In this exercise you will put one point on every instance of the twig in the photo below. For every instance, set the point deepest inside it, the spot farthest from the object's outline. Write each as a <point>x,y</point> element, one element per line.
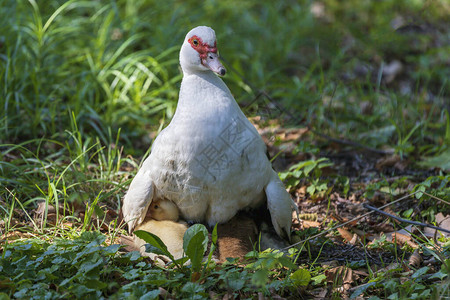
<point>352,220</point>
<point>351,143</point>
<point>404,220</point>
<point>436,198</point>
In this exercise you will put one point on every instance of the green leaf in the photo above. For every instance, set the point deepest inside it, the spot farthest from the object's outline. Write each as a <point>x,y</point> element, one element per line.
<point>132,274</point>
<point>156,245</point>
<point>407,213</point>
<point>420,188</point>
<point>111,249</point>
<point>91,263</point>
<point>214,235</point>
<point>309,168</point>
<point>192,288</point>
<point>301,277</point>
<point>394,296</point>
<point>259,278</point>
<point>98,211</point>
<point>287,262</point>
<point>150,295</point>
<point>4,296</point>
<point>214,238</point>
<point>311,189</point>
<point>361,289</point>
<point>441,161</point>
<point>195,242</point>
<point>420,272</point>
<point>96,284</point>
<point>319,279</point>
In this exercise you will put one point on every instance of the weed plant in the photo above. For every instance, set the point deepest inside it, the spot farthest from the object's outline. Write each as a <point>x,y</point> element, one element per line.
<point>85,85</point>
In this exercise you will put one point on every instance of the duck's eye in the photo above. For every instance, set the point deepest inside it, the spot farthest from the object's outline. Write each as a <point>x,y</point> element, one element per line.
<point>156,206</point>
<point>195,42</point>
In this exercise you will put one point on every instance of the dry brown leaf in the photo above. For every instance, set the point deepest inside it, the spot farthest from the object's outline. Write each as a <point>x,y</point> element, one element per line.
<point>343,220</point>
<point>387,161</point>
<point>392,212</point>
<point>361,273</point>
<point>355,239</point>
<point>165,294</point>
<point>295,134</point>
<point>415,259</point>
<point>443,222</point>
<point>401,239</point>
<point>301,192</point>
<point>405,231</point>
<point>356,209</point>
<point>338,218</point>
<point>340,277</point>
<point>15,235</point>
<point>128,241</point>
<point>383,227</point>
<point>310,224</point>
<point>330,263</point>
<point>361,233</point>
<point>347,235</point>
<point>393,266</point>
<point>213,295</point>
<point>195,276</point>
<point>319,293</point>
<point>379,198</point>
<point>295,220</point>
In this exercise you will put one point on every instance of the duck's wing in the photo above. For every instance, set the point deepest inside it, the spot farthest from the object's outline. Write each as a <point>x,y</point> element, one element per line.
<point>280,205</point>
<point>138,198</point>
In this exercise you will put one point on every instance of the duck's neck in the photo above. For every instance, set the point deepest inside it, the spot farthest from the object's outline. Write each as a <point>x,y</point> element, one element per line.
<point>203,84</point>
<point>204,95</point>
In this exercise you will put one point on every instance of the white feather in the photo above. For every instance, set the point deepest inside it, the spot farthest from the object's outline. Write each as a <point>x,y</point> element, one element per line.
<point>210,160</point>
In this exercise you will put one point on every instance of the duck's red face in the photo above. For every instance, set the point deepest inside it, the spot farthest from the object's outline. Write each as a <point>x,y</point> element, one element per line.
<point>208,55</point>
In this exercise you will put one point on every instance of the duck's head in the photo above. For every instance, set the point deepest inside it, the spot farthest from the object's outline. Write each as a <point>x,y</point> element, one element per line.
<point>199,52</point>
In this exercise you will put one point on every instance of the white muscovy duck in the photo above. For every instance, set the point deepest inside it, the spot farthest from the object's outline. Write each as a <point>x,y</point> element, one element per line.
<point>210,160</point>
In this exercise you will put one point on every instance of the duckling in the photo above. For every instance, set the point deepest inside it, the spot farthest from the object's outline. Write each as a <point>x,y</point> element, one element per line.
<point>163,223</point>
<point>164,210</point>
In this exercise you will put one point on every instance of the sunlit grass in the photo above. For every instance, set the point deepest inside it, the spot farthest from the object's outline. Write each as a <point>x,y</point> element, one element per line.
<point>84,85</point>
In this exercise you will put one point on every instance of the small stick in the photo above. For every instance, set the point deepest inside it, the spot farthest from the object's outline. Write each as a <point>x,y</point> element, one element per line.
<point>404,220</point>
<point>354,219</point>
<point>436,198</point>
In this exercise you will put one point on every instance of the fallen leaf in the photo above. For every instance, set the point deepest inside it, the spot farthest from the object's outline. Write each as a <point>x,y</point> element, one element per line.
<point>415,259</point>
<point>128,241</point>
<point>347,235</point>
<point>383,227</point>
<point>387,161</point>
<point>340,277</point>
<point>319,293</point>
<point>354,240</point>
<point>443,222</point>
<point>394,266</point>
<point>401,239</point>
<point>164,294</point>
<point>311,224</point>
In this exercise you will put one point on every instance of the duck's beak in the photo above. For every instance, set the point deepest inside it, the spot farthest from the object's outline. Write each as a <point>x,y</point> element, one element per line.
<point>212,62</point>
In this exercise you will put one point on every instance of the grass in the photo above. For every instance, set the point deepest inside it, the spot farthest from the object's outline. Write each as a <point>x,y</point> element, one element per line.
<point>86,85</point>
